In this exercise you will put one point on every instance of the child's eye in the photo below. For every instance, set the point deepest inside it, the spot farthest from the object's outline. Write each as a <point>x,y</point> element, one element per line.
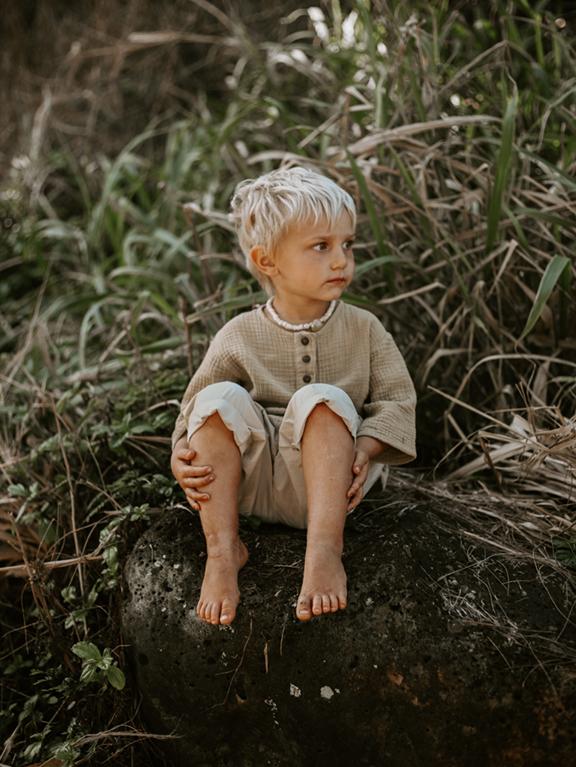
<point>320,245</point>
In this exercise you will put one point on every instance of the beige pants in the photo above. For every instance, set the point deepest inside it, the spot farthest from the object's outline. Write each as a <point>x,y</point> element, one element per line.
<point>272,484</point>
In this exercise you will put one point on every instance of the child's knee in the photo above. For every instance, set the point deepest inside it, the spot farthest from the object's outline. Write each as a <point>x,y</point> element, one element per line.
<point>321,410</point>
<point>318,405</point>
<point>322,419</point>
<point>212,422</point>
<point>212,433</point>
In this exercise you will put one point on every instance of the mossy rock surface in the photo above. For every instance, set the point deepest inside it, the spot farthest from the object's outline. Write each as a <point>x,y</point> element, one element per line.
<point>443,657</point>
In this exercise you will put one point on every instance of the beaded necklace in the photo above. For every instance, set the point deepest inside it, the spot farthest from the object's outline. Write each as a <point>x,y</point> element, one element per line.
<point>313,325</point>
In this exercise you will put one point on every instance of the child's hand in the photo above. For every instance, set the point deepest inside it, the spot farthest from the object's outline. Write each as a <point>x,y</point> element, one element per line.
<point>190,478</point>
<point>360,467</point>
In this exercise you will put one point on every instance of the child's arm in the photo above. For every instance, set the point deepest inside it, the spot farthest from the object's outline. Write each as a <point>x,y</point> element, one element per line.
<point>216,366</point>
<point>370,446</point>
<point>390,411</point>
<point>388,432</point>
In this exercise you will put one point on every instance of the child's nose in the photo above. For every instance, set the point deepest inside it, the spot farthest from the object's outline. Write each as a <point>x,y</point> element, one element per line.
<point>339,260</point>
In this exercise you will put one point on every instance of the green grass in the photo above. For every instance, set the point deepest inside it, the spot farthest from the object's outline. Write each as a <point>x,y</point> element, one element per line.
<point>457,140</point>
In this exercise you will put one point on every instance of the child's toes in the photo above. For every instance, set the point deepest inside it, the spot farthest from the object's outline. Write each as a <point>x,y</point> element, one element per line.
<point>210,614</point>
<point>303,609</point>
<point>333,602</point>
<point>215,614</point>
<point>317,604</point>
<point>227,612</point>
<point>342,601</point>
<point>326,607</point>
<point>205,611</point>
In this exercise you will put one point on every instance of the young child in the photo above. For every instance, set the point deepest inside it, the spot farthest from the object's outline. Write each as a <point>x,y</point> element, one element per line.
<point>300,404</point>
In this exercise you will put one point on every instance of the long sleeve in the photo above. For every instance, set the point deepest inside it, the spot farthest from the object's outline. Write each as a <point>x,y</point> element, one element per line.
<point>217,365</point>
<point>390,412</point>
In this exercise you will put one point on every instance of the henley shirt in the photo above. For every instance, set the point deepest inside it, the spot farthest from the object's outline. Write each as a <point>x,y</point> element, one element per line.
<point>352,350</point>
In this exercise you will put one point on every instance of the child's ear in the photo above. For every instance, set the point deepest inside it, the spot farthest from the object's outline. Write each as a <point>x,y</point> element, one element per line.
<point>263,261</point>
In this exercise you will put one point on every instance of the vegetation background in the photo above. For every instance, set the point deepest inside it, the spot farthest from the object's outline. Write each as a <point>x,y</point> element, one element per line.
<point>124,129</point>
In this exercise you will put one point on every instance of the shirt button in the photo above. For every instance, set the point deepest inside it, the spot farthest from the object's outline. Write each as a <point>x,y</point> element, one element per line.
<point>305,340</point>
<point>306,358</point>
<point>306,378</point>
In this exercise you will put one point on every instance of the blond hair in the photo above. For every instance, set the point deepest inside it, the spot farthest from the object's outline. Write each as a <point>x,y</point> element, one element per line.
<point>263,208</point>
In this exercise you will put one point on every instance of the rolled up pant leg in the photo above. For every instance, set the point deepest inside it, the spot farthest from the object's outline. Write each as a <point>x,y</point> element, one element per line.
<point>245,419</point>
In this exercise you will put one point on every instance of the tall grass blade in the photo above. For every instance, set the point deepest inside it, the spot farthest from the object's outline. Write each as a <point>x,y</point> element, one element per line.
<point>503,166</point>
<point>555,172</point>
<point>381,246</point>
<point>548,282</point>
<point>565,282</point>
<point>114,174</point>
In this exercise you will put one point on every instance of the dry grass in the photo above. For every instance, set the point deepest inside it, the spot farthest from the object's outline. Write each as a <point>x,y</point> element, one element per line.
<point>125,133</point>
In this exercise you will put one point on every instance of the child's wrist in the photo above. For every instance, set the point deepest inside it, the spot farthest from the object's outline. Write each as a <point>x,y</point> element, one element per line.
<point>370,445</point>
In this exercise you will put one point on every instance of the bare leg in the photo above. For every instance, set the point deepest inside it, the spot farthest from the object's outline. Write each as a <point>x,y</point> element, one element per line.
<point>226,553</point>
<point>327,454</point>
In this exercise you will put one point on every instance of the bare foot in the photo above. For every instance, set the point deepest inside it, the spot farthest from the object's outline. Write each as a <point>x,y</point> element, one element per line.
<point>219,595</point>
<point>324,583</point>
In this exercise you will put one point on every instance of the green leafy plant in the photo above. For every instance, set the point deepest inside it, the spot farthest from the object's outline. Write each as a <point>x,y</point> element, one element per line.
<point>98,666</point>
<point>453,129</point>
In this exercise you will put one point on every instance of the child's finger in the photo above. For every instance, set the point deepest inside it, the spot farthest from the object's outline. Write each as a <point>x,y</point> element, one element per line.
<point>185,454</point>
<point>355,500</point>
<point>197,481</point>
<point>196,495</point>
<point>359,480</point>
<point>362,474</point>
<point>196,471</point>
<point>352,505</point>
<point>354,490</point>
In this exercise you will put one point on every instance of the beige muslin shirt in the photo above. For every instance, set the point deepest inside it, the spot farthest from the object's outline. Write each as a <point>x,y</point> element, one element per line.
<point>352,350</point>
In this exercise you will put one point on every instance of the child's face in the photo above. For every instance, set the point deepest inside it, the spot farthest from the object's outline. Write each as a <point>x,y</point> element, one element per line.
<point>309,258</point>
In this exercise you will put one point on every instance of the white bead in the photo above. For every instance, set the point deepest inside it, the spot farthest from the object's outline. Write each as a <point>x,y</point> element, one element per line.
<point>304,325</point>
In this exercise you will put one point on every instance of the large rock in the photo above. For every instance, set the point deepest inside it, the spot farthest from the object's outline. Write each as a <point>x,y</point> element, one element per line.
<point>437,660</point>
